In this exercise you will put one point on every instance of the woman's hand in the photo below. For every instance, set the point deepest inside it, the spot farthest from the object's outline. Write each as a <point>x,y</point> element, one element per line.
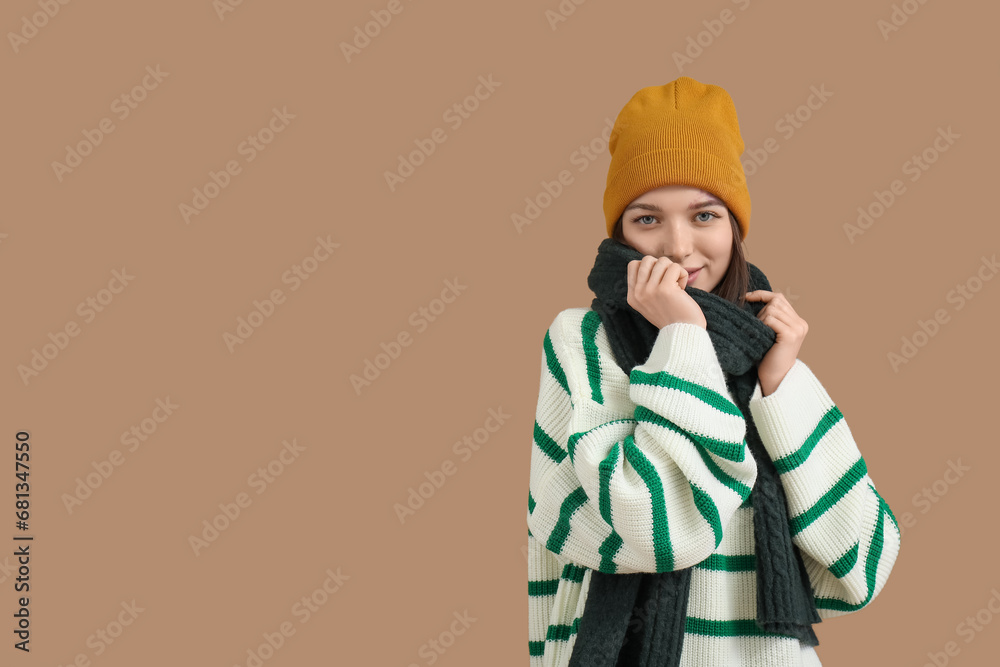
<point>791,330</point>
<point>656,291</point>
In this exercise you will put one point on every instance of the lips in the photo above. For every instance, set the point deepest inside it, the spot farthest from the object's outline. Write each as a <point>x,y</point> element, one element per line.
<point>692,274</point>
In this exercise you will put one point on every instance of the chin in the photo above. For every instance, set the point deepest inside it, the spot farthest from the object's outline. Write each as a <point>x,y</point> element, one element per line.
<point>703,289</point>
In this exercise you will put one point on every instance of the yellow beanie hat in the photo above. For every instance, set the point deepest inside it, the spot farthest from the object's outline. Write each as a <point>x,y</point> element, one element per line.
<point>681,133</point>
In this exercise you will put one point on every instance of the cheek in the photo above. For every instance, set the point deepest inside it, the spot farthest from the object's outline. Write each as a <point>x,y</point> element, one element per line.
<point>719,247</point>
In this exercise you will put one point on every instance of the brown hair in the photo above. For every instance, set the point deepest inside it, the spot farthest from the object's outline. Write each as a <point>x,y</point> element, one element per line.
<point>735,283</point>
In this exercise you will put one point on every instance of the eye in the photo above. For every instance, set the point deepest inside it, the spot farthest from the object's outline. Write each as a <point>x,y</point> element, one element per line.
<point>642,217</point>
<point>708,213</point>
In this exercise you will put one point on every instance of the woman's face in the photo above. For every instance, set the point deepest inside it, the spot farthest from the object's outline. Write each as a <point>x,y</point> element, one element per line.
<point>686,225</point>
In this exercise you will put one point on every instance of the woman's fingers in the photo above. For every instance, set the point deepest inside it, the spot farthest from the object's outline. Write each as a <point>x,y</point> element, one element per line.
<point>646,275</point>
<point>655,270</point>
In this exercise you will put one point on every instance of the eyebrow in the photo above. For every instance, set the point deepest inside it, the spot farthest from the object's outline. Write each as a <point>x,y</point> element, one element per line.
<point>698,204</point>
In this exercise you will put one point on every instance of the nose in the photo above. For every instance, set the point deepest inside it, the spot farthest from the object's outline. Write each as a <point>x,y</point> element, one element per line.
<point>676,242</point>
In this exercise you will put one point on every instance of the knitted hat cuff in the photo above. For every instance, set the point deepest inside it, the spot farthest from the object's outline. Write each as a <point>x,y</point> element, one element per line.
<point>706,171</point>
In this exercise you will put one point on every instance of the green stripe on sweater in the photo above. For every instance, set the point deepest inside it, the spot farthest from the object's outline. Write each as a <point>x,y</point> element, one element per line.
<point>708,510</point>
<point>723,563</point>
<point>704,394</point>
<point>574,573</point>
<point>570,572</point>
<point>735,628</point>
<point>561,530</point>
<point>831,497</point>
<point>736,485</point>
<point>871,571</point>
<point>608,549</point>
<point>845,563</point>
<point>575,437</point>
<point>731,451</point>
<point>542,588</point>
<point>548,446</point>
<point>605,470</point>
<point>553,363</point>
<point>884,505</point>
<point>561,633</point>
<point>792,461</point>
<point>661,531</point>
<point>588,327</point>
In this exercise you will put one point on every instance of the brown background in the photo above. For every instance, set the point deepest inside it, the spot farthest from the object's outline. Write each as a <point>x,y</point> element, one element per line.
<point>323,176</point>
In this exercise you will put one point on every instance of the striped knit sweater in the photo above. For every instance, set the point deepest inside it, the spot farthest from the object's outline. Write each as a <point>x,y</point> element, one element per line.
<point>651,472</point>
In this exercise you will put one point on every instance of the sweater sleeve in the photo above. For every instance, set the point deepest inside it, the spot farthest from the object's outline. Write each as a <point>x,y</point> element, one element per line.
<point>848,536</point>
<point>650,490</point>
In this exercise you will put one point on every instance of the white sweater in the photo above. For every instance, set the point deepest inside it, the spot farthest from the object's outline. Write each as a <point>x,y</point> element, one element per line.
<point>651,472</point>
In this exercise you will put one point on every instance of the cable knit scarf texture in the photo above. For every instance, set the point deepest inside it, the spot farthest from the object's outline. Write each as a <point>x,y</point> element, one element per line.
<point>655,604</point>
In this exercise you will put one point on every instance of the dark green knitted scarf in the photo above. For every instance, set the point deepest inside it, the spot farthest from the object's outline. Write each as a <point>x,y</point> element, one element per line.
<point>655,604</point>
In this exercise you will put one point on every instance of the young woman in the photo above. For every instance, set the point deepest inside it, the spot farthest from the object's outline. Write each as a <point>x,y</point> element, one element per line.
<point>695,495</point>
